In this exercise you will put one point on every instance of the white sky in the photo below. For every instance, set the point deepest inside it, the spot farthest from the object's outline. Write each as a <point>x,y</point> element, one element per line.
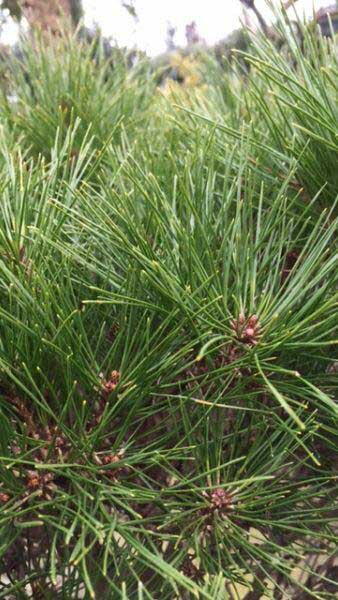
<point>214,18</point>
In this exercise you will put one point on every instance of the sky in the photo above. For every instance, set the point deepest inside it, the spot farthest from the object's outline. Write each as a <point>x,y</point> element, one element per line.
<point>214,18</point>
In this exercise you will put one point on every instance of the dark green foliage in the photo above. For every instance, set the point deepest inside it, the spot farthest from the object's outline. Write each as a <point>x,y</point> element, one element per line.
<point>168,324</point>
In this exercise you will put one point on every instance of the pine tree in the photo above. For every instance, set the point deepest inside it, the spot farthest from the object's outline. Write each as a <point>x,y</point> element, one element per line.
<point>168,326</point>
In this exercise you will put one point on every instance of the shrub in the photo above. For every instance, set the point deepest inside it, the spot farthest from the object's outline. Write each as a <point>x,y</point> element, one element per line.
<point>168,324</point>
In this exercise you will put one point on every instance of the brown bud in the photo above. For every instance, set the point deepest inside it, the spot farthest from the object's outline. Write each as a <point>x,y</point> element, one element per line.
<point>110,459</point>
<point>249,332</point>
<point>33,479</point>
<point>246,330</point>
<point>110,385</point>
<point>221,499</point>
